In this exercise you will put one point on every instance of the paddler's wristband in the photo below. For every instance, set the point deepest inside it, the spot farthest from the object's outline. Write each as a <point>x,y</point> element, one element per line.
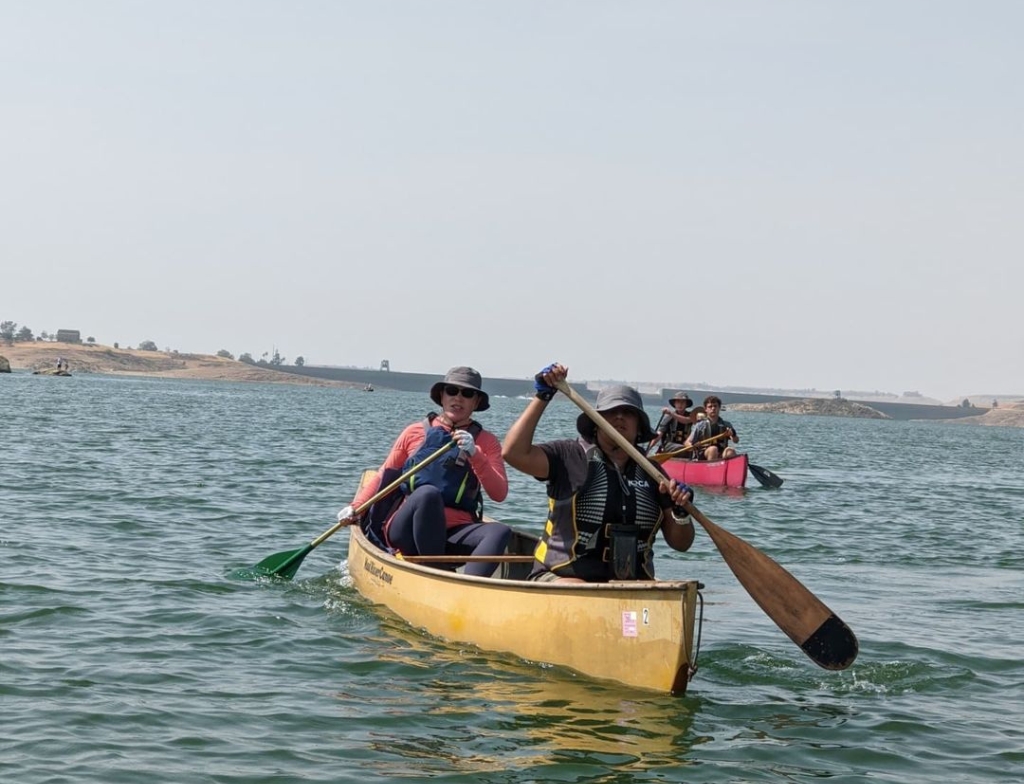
<point>681,517</point>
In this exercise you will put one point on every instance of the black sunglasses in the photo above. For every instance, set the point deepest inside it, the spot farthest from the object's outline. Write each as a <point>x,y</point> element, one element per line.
<point>453,391</point>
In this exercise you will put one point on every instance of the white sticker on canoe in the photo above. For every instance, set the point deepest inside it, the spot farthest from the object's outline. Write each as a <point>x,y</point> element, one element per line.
<point>629,624</point>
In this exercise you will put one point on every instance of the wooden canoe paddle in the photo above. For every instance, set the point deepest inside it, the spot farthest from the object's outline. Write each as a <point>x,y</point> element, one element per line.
<point>286,564</point>
<point>805,619</point>
<point>657,429</point>
<point>661,457</point>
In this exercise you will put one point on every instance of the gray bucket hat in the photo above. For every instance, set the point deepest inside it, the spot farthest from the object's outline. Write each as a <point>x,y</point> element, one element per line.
<point>615,397</point>
<point>464,377</point>
<point>681,396</point>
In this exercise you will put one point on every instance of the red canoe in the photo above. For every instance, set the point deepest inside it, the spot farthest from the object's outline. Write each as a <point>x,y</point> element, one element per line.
<point>731,472</point>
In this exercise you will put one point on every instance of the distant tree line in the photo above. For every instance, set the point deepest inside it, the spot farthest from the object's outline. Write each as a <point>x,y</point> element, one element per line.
<point>275,360</point>
<point>10,333</point>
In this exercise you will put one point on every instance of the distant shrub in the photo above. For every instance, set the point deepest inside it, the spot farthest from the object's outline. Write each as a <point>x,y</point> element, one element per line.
<point>147,345</point>
<point>225,353</point>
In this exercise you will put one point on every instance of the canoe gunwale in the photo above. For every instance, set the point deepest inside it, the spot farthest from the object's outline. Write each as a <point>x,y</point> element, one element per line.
<point>700,472</point>
<point>434,573</point>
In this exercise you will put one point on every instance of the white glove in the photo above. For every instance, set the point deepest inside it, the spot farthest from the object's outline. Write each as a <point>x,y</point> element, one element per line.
<point>465,441</point>
<point>346,514</point>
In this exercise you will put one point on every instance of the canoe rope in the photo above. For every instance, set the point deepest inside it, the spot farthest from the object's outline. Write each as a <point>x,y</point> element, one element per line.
<point>700,628</point>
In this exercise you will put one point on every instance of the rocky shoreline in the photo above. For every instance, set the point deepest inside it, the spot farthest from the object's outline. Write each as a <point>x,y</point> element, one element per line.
<point>816,407</point>
<point>1009,415</point>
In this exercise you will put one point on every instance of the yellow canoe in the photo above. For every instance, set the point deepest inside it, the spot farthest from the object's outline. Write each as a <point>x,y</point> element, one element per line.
<point>640,634</point>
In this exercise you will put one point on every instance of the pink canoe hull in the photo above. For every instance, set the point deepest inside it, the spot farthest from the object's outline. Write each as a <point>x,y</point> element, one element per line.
<point>731,472</point>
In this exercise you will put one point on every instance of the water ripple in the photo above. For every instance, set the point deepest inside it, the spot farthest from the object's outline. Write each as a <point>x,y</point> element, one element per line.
<point>131,651</point>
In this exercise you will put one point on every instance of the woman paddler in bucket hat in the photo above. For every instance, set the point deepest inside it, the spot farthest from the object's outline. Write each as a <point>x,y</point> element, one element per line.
<point>439,510</point>
<point>604,511</point>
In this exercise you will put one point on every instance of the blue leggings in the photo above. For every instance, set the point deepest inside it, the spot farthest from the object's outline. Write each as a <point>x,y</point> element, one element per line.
<point>418,528</point>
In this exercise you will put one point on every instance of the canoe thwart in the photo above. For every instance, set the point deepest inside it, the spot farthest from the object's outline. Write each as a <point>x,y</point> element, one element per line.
<point>465,558</point>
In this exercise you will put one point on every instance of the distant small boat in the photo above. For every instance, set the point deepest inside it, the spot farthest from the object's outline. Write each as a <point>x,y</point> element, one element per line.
<point>730,472</point>
<point>368,388</point>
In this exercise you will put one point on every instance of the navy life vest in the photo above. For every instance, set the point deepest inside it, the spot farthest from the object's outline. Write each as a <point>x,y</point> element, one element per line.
<point>451,473</point>
<point>458,484</point>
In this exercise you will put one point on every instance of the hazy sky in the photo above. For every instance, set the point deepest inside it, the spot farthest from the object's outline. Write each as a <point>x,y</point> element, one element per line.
<point>772,194</point>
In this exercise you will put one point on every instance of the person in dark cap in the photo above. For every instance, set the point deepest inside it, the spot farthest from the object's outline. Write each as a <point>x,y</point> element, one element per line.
<point>604,511</point>
<point>675,423</point>
<point>440,507</point>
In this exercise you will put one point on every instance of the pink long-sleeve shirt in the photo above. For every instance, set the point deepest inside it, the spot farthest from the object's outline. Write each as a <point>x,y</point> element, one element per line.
<point>487,463</point>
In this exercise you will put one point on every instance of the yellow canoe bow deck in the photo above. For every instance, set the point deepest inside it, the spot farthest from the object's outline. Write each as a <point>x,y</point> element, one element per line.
<point>636,633</point>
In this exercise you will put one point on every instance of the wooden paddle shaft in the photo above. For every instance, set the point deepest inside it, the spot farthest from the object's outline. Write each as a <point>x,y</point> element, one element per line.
<point>805,619</point>
<point>382,493</point>
<point>663,456</point>
<point>614,434</point>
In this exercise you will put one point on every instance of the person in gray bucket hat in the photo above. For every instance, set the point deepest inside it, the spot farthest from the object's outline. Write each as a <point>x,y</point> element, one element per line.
<point>611,398</point>
<point>463,378</point>
<point>604,511</point>
<point>439,510</point>
<point>676,422</point>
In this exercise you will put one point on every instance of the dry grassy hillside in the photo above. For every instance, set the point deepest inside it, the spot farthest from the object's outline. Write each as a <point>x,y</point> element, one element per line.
<point>86,358</point>
<point>1007,415</point>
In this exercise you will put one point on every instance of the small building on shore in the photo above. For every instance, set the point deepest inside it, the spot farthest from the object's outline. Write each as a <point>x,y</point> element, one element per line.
<point>69,336</point>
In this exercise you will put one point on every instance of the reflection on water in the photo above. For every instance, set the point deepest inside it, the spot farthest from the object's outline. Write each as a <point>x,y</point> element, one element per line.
<point>727,492</point>
<point>480,699</point>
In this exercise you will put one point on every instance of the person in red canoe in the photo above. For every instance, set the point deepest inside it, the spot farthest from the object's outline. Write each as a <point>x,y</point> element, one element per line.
<point>676,422</point>
<point>713,425</point>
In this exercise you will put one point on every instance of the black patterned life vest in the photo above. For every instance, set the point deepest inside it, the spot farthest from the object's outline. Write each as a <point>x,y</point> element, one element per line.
<point>588,534</point>
<point>676,431</point>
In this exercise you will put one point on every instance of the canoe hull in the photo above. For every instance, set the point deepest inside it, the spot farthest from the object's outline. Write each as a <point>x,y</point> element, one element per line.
<point>731,472</point>
<point>636,633</point>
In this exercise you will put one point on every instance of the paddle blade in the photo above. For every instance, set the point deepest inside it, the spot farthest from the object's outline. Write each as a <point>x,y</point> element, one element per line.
<point>284,564</point>
<point>764,476</point>
<point>833,645</point>
<point>805,619</point>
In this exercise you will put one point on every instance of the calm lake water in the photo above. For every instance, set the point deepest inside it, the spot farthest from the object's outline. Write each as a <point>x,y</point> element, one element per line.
<point>128,652</point>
